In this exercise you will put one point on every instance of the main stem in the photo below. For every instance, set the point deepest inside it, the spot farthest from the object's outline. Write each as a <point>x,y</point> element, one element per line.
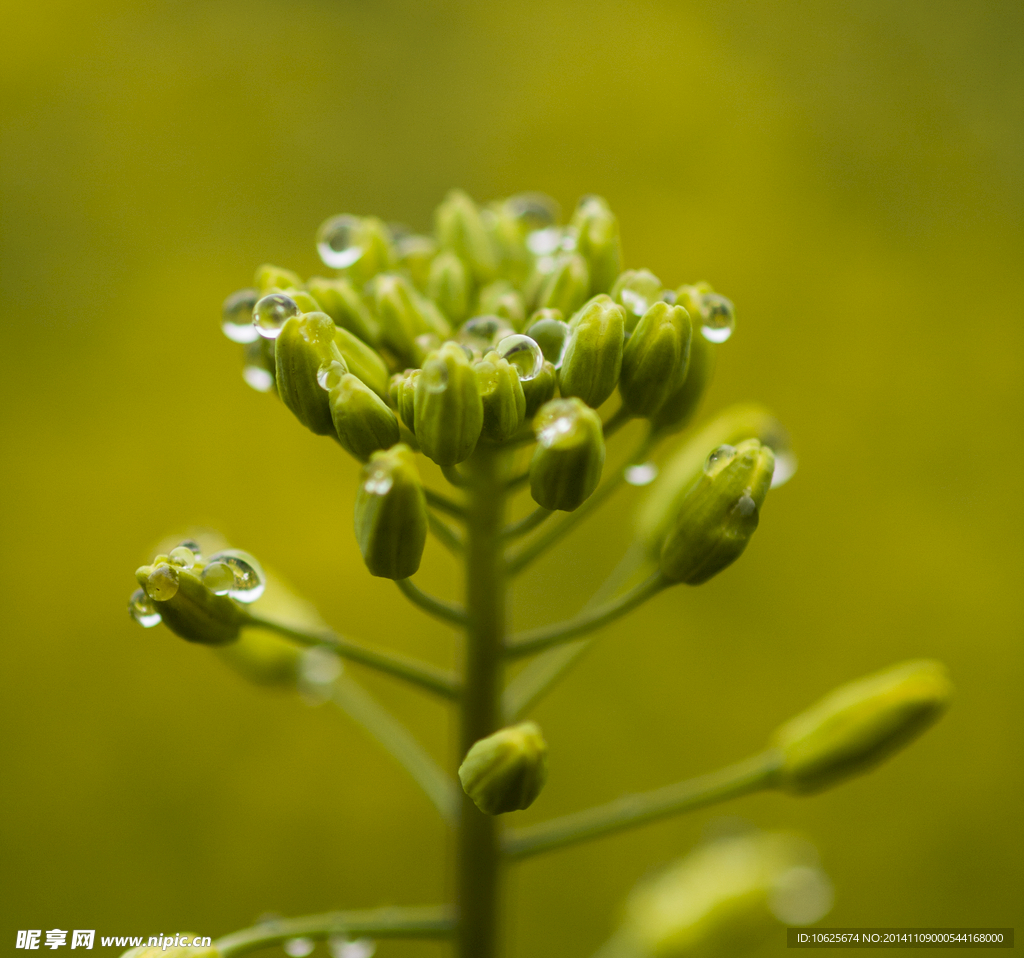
<point>479,855</point>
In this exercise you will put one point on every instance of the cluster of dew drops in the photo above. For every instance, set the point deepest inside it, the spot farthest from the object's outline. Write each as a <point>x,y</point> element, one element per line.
<point>229,572</point>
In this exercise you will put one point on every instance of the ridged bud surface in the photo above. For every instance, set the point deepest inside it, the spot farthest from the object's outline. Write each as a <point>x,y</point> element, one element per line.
<point>683,402</point>
<point>339,299</point>
<point>501,393</point>
<point>305,345</point>
<point>540,389</point>
<point>448,410</point>
<point>506,771</point>
<point>567,286</point>
<point>593,356</point>
<point>567,463</point>
<point>598,242</point>
<point>654,360</point>
<point>362,361</point>
<point>460,229</point>
<point>362,421</point>
<point>449,286</point>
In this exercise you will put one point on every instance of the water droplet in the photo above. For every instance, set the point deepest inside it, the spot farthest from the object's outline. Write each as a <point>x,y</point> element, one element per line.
<point>523,353</point>
<point>537,210</point>
<point>544,242</point>
<point>635,302</point>
<point>745,506</point>
<point>258,378</point>
<point>642,475</point>
<point>183,557</point>
<point>434,376</point>
<point>378,483</point>
<point>669,296</point>
<point>718,459</point>
<point>552,335</point>
<point>194,547</point>
<point>142,610</point>
<point>555,429</point>
<point>801,895</point>
<point>347,948</point>
<point>272,312</point>
<point>330,375</point>
<point>319,666</point>
<point>785,466</point>
<point>481,332</point>
<point>162,583</point>
<point>336,241</point>
<point>718,318</point>
<point>249,580</point>
<point>298,947</point>
<point>218,577</point>
<point>236,316</point>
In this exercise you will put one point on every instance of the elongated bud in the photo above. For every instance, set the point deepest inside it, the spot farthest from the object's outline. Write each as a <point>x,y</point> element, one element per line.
<point>399,308</point>
<point>270,278</point>
<point>567,463</point>
<point>540,389</point>
<point>414,254</point>
<point>448,411</point>
<point>636,291</point>
<point>719,514</point>
<point>502,299</point>
<point>391,514</point>
<point>460,229</point>
<point>305,347</point>
<point>502,396</point>
<point>683,402</point>
<point>598,242</point>
<point>685,466</point>
<point>363,361</point>
<point>339,299</point>
<point>593,356</point>
<point>567,286</point>
<point>403,396</point>
<point>358,245</point>
<point>506,771</point>
<point>858,725</point>
<point>654,360</point>
<point>362,420</point>
<point>449,286</point>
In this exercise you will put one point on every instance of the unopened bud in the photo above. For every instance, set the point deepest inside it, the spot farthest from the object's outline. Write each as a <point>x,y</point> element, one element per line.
<point>540,389</point>
<point>391,514</point>
<point>636,291</point>
<point>450,286</point>
<point>684,401</point>
<point>502,299</point>
<point>305,347</point>
<point>598,242</point>
<point>362,361</point>
<point>269,278</point>
<point>506,771</point>
<point>362,420</point>
<point>654,360</point>
<point>402,393</point>
<point>448,410</point>
<point>502,396</point>
<point>460,229</point>
<point>567,463</point>
<point>400,309</point>
<point>414,254</point>
<point>858,725</point>
<point>719,514</point>
<point>339,299</point>
<point>567,286</point>
<point>593,357</point>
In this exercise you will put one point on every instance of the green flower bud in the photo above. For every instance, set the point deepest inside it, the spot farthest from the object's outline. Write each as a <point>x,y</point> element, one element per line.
<point>362,361</point>
<point>655,358</point>
<point>540,389</point>
<point>593,357</point>
<point>450,286</point>
<point>339,299</point>
<point>305,347</point>
<point>684,401</point>
<point>719,514</point>
<point>270,278</point>
<point>567,286</point>
<point>502,299</point>
<point>460,229</point>
<point>858,725</point>
<point>402,394</point>
<point>502,396</point>
<point>636,291</point>
<point>548,331</point>
<point>402,314</point>
<point>567,463</point>
<point>506,771</point>
<point>391,514</point>
<point>362,420</point>
<point>359,245</point>
<point>414,254</point>
<point>598,242</point>
<point>448,411</point>
<point>685,466</point>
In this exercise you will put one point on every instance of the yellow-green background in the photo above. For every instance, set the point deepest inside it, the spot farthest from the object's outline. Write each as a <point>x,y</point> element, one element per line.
<point>848,172</point>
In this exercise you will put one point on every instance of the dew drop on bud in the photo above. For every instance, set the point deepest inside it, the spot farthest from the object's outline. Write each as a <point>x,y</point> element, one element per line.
<point>162,583</point>
<point>183,557</point>
<point>330,375</point>
<point>669,296</point>
<point>335,241</point>
<point>785,466</point>
<point>745,505</point>
<point>718,318</point>
<point>347,948</point>
<point>481,332</point>
<point>523,353</point>
<point>272,312</point>
<point>533,209</point>
<point>218,577</point>
<point>258,378</point>
<point>717,459</point>
<point>142,610</point>
<point>236,316</point>
<point>247,579</point>
<point>554,430</point>
<point>194,547</point>
<point>552,335</point>
<point>378,483</point>
<point>434,376</point>
<point>635,302</point>
<point>642,475</point>
<point>298,947</point>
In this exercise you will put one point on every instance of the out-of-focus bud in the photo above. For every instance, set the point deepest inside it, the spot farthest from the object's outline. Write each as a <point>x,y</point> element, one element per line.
<point>593,357</point>
<point>636,290</point>
<point>448,411</point>
<point>506,771</point>
<point>402,394</point>
<point>654,360</point>
<point>540,389</point>
<point>339,299</point>
<point>399,308</point>
<point>460,229</point>
<point>858,725</point>
<point>362,420</point>
<point>724,899</point>
<point>502,299</point>
<point>414,254</point>
<point>270,278</point>
<point>719,514</point>
<point>359,245</point>
<point>449,286</point>
<point>712,314</point>
<point>391,514</point>
<point>363,361</point>
<point>685,465</point>
<point>305,349</point>
<point>567,286</point>
<point>684,401</point>
<point>550,333</point>
<point>597,241</point>
<point>502,396</point>
<point>567,463</point>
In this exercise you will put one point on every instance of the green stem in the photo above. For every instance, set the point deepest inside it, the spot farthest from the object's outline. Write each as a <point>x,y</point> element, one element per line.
<point>455,477</point>
<point>527,524</point>
<point>536,640</point>
<point>445,534</point>
<point>364,709</point>
<point>742,778</point>
<point>392,922</point>
<point>443,504</point>
<point>425,676</point>
<point>447,611</point>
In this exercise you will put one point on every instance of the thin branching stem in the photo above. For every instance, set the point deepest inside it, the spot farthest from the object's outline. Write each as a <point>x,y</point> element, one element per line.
<point>445,534</point>
<point>527,524</point>
<point>439,608</point>
<point>442,503</point>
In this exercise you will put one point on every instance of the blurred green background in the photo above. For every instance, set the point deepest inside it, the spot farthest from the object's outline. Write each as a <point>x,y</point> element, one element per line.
<point>849,173</point>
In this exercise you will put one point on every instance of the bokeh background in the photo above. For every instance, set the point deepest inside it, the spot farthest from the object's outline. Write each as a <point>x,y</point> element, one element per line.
<point>849,173</point>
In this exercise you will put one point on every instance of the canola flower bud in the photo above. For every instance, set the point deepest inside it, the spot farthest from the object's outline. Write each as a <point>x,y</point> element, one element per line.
<point>448,411</point>
<point>502,299</point>
<point>540,389</point>
<point>306,346</point>
<point>506,771</point>
<point>598,242</point>
<point>567,286</point>
<point>592,359</point>
<point>654,360</point>
<point>391,514</point>
<point>362,361</point>
<point>502,395</point>
<point>358,245</point>
<point>450,286</point>
<point>683,402</point>
<point>858,725</point>
<point>460,228</point>
<point>719,514</point>
<point>414,254</point>
<point>362,420</point>
<point>567,463</point>
<point>339,299</point>
<point>636,291</point>
<point>400,310</point>
<point>269,278</point>
<point>402,394</point>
